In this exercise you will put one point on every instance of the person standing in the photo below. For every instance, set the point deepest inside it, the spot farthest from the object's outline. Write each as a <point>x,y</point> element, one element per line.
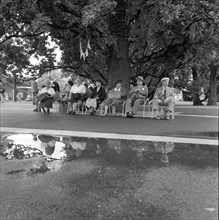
<point>137,96</point>
<point>2,91</point>
<point>164,95</point>
<point>35,90</point>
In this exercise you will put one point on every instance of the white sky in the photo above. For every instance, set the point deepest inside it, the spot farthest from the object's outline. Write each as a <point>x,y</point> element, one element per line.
<point>58,53</point>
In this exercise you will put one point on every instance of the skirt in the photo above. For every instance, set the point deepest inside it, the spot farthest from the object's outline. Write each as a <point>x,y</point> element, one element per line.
<point>46,104</point>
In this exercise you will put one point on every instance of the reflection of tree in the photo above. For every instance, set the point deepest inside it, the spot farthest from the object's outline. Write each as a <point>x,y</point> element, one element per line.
<point>164,148</point>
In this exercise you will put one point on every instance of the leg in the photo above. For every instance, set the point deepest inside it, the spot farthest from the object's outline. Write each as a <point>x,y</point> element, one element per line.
<point>128,105</point>
<point>108,102</point>
<point>113,109</point>
<point>136,105</point>
<point>74,107</point>
<point>155,107</point>
<point>170,108</point>
<point>34,98</point>
<point>106,107</point>
<point>69,108</point>
<point>37,109</point>
<point>2,97</point>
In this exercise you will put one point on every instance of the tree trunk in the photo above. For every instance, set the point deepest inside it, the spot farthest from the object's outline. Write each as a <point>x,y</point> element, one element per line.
<point>212,100</point>
<point>15,90</point>
<point>120,66</point>
<point>195,87</point>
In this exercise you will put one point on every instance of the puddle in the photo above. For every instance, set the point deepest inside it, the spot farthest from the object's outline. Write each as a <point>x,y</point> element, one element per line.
<point>115,151</point>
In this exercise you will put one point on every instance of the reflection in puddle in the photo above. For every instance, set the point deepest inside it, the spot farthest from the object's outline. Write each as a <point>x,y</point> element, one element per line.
<point>120,152</point>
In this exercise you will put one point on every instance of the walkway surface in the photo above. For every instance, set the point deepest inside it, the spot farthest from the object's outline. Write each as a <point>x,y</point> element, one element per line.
<point>190,122</point>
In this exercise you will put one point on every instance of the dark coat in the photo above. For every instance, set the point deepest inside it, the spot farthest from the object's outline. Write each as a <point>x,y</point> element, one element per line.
<point>100,95</point>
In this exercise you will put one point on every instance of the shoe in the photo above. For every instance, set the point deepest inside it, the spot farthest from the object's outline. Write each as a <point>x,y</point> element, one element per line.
<point>92,113</point>
<point>48,111</point>
<point>129,115</point>
<point>69,113</point>
<point>73,113</point>
<point>35,110</point>
<point>156,115</point>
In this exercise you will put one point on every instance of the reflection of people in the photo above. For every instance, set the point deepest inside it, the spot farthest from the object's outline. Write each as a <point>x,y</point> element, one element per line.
<point>139,147</point>
<point>116,145</point>
<point>137,96</point>
<point>164,148</point>
<point>47,144</point>
<point>79,147</point>
<point>164,95</point>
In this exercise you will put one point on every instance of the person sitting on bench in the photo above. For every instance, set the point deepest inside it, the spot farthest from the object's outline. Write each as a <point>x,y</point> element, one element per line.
<point>163,96</point>
<point>137,96</point>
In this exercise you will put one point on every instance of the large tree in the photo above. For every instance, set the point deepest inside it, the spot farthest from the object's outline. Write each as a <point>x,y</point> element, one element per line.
<point>128,38</point>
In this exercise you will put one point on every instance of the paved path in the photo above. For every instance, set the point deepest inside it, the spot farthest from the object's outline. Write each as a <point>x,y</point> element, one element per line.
<point>189,122</point>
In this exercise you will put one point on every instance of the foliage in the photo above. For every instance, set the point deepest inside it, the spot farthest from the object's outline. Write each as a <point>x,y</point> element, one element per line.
<point>164,37</point>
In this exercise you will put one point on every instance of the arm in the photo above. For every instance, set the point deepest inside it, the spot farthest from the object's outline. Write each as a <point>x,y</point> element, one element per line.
<point>123,92</point>
<point>132,91</point>
<point>156,94</point>
<point>144,91</point>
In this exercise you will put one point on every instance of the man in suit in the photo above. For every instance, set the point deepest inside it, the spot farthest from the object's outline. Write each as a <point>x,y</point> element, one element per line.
<point>137,96</point>
<point>164,95</point>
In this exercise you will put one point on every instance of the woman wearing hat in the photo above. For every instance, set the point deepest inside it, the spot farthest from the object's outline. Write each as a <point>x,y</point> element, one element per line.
<point>164,95</point>
<point>97,97</point>
<point>137,96</point>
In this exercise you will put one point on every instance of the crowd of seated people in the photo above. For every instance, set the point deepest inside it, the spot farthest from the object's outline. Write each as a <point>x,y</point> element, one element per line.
<point>91,96</point>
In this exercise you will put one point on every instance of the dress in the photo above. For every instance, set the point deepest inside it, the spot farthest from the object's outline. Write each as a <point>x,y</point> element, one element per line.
<point>46,97</point>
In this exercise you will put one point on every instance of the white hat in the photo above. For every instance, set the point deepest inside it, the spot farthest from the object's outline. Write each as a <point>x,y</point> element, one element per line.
<point>165,79</point>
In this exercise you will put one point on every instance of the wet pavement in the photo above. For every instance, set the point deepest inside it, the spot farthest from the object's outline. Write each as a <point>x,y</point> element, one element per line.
<point>58,177</point>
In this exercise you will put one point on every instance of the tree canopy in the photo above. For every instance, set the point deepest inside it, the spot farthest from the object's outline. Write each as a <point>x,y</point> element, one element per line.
<point>120,39</point>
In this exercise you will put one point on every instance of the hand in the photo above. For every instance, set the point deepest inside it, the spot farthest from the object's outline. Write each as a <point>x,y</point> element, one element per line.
<point>166,100</point>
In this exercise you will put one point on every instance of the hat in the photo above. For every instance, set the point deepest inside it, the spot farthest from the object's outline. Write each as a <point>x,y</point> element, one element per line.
<point>100,81</point>
<point>165,79</point>
<point>140,78</point>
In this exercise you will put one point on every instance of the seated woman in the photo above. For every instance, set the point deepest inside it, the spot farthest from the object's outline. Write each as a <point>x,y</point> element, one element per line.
<point>77,95</point>
<point>137,96</point>
<point>116,96</point>
<point>97,97</point>
<point>46,98</point>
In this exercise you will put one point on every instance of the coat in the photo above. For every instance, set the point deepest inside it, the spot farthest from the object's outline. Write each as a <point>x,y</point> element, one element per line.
<point>160,92</point>
<point>142,92</point>
<point>100,94</point>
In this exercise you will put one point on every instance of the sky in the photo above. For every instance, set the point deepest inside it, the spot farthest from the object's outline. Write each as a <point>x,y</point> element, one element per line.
<point>58,52</point>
